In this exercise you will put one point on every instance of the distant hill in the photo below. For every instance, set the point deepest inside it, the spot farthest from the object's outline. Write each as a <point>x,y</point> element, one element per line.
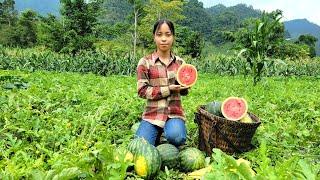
<point>295,27</point>
<point>298,27</point>
<point>42,7</point>
<point>242,11</point>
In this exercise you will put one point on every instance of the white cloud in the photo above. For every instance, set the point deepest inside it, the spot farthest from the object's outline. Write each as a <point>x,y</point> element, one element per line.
<point>292,9</point>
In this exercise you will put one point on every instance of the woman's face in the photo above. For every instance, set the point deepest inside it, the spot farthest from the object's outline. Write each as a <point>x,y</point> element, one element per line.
<point>163,38</point>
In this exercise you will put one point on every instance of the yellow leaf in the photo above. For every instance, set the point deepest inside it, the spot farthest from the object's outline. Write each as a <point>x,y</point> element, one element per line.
<point>198,174</point>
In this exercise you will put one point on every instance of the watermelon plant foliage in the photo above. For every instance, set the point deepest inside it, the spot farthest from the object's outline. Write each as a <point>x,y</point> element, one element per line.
<point>71,125</point>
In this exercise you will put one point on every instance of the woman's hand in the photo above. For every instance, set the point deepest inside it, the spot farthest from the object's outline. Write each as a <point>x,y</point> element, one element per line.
<point>177,88</point>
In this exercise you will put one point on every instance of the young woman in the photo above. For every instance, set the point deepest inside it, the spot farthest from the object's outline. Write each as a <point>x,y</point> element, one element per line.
<point>157,83</point>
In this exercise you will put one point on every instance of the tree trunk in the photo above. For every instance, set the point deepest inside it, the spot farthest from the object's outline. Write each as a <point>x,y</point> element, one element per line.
<point>135,33</point>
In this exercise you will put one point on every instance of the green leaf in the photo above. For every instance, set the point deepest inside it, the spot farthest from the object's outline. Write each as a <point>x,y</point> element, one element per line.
<point>307,170</point>
<point>37,175</point>
<point>244,170</point>
<point>68,173</point>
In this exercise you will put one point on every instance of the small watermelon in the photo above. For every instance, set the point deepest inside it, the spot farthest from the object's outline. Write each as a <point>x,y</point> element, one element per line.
<point>135,127</point>
<point>169,155</point>
<point>187,75</point>
<point>191,159</point>
<point>234,108</point>
<point>214,108</point>
<point>246,119</point>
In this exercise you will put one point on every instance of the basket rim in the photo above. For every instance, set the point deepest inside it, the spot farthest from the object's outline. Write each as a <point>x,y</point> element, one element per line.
<point>227,143</point>
<point>210,116</point>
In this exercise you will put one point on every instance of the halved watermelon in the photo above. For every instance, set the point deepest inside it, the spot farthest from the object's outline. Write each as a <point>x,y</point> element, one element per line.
<point>234,108</point>
<point>187,75</point>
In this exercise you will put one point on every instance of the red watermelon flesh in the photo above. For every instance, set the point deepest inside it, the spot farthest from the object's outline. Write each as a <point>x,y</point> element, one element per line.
<point>187,75</point>
<point>234,108</point>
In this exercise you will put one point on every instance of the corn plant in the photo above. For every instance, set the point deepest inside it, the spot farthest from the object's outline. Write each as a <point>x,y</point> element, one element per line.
<point>258,42</point>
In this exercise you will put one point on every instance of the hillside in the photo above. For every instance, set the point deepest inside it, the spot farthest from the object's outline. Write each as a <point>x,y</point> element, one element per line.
<point>298,27</point>
<point>241,11</point>
<point>235,13</point>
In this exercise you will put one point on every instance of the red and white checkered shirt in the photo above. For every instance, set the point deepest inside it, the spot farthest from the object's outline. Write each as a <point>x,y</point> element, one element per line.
<point>154,78</point>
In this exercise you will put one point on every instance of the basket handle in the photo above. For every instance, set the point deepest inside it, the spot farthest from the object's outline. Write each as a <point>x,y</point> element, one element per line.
<point>214,126</point>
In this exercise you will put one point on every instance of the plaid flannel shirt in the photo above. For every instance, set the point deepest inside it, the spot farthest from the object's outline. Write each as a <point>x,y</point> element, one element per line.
<point>153,80</point>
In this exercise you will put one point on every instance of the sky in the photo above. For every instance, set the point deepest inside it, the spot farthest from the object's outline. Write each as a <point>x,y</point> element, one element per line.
<point>292,9</point>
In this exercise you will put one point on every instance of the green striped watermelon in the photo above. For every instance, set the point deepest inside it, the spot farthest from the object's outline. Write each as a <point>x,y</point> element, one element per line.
<point>214,108</point>
<point>191,159</point>
<point>135,144</point>
<point>169,155</point>
<point>146,158</point>
<point>135,127</point>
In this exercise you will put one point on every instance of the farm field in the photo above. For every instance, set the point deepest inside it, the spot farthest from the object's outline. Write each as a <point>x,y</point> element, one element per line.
<point>72,126</point>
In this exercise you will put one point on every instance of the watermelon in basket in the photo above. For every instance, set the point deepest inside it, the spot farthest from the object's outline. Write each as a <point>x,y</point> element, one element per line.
<point>231,129</point>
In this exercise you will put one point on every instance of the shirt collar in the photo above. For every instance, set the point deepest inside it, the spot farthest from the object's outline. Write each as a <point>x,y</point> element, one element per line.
<point>155,56</point>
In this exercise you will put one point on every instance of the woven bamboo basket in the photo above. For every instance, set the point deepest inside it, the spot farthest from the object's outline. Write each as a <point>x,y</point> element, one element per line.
<point>229,136</point>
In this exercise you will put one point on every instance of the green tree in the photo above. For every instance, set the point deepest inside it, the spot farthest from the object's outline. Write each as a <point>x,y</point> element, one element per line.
<point>227,20</point>
<point>290,50</point>
<point>7,34</point>
<point>310,41</point>
<point>115,11</point>
<point>50,33</point>
<point>26,30</point>
<point>155,10</point>
<point>189,42</point>
<point>8,19</point>
<point>197,18</point>
<point>224,25</point>
<point>137,11</point>
<point>8,15</point>
<point>79,18</point>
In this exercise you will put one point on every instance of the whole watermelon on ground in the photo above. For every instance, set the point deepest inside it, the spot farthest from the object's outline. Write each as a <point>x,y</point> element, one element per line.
<point>191,159</point>
<point>147,160</point>
<point>169,155</point>
<point>135,127</point>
